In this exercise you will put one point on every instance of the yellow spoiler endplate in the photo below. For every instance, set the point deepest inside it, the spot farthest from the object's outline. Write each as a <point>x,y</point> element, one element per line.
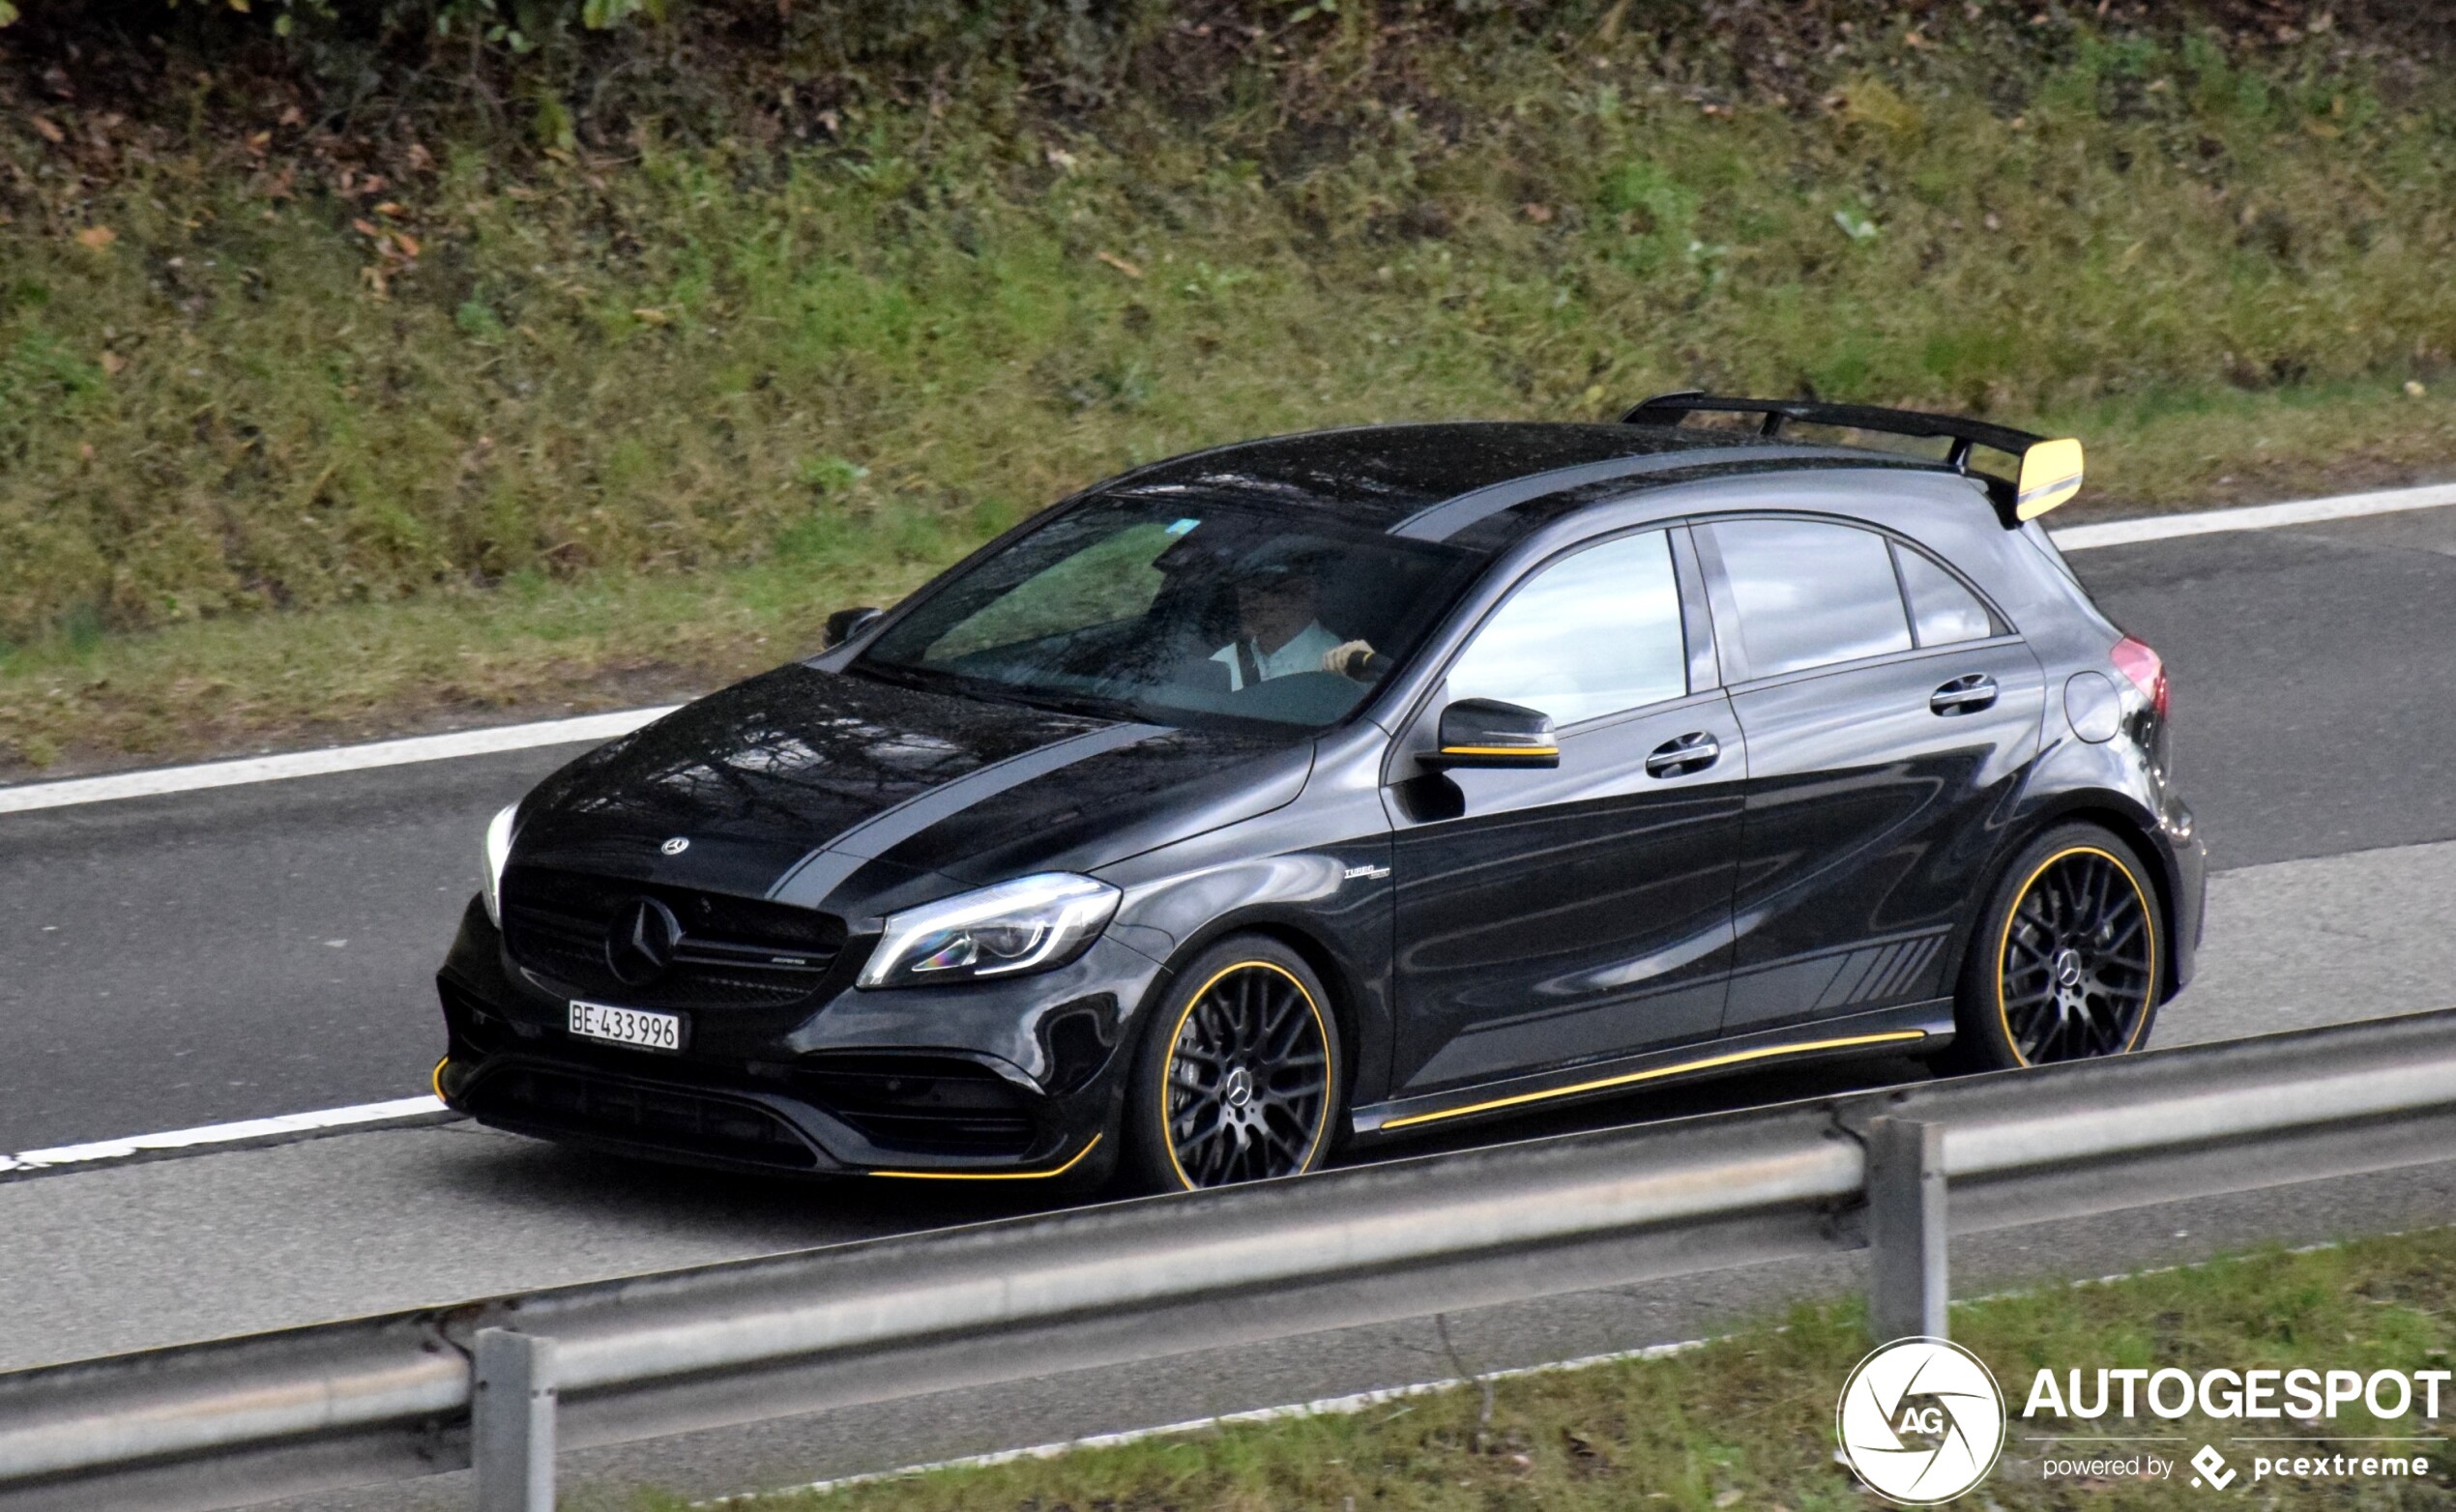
<point>2050,473</point>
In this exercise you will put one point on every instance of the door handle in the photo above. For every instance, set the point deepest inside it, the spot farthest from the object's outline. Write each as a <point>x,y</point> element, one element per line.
<point>1964,695</point>
<point>1677,758</point>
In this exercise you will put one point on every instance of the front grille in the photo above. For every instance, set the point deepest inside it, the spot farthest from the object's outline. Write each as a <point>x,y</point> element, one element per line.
<point>936,1105</point>
<point>734,953</point>
<point>666,1117</point>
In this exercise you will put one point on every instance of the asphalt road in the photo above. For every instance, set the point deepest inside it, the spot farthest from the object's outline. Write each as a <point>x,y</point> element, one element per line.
<point>249,951</point>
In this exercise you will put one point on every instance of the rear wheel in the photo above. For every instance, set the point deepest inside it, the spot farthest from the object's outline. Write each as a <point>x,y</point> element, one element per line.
<point>1238,1076</point>
<point>2065,964</point>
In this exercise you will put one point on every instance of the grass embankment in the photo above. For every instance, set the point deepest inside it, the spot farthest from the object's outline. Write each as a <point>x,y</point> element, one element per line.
<point>1747,1421</point>
<point>309,434</point>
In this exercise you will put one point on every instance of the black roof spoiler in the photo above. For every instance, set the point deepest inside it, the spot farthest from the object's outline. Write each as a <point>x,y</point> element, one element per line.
<point>2047,472</point>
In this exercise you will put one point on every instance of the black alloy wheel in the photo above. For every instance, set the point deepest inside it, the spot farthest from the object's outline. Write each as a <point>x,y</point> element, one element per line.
<point>2064,966</point>
<point>1244,1079</point>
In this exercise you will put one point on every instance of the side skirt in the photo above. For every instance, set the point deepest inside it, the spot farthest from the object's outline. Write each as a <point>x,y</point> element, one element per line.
<point>1916,1027</point>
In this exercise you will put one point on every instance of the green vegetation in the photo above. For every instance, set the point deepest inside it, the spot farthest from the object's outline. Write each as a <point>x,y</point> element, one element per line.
<point>1747,1421</point>
<point>310,413</point>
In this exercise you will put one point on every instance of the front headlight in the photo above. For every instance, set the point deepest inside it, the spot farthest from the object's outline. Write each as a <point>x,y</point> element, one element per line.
<point>1029,924</point>
<point>497,852</point>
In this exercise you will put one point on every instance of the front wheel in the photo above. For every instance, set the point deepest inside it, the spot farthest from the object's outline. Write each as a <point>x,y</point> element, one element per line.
<point>1238,1078</point>
<point>2064,964</point>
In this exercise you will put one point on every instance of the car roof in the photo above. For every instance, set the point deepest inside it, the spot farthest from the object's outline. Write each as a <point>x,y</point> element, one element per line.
<point>1469,482</point>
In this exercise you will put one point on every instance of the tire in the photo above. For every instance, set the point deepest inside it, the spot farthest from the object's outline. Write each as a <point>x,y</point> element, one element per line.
<point>1247,1004</point>
<point>2065,962</point>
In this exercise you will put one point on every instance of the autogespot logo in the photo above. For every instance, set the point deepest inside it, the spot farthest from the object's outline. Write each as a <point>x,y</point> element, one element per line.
<point>1921,1421</point>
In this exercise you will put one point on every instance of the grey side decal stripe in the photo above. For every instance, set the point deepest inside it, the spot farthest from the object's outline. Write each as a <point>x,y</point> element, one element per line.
<point>1441,521</point>
<point>818,874</point>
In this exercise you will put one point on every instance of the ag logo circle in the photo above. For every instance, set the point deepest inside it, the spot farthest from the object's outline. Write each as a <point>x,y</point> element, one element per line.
<point>1921,1421</point>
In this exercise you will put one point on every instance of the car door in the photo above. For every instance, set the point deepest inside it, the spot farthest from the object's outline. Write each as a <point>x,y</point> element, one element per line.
<point>1547,917</point>
<point>1889,713</point>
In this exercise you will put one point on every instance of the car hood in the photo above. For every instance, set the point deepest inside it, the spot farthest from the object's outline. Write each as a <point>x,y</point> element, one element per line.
<point>831,790</point>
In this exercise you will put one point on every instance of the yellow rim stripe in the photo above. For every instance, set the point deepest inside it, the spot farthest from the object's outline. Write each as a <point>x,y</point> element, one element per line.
<point>993,1175</point>
<point>1735,1057</point>
<point>2003,945</point>
<point>1501,750</point>
<point>1330,1062</point>
<point>435,1077</point>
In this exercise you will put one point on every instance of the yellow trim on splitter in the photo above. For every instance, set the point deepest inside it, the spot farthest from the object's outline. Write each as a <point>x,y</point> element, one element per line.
<point>1735,1057</point>
<point>993,1175</point>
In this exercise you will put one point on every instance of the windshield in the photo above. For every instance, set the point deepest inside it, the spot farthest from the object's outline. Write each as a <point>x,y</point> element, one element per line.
<point>1174,608</point>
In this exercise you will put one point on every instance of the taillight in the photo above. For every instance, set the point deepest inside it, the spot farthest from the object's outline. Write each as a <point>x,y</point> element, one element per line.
<point>2147,672</point>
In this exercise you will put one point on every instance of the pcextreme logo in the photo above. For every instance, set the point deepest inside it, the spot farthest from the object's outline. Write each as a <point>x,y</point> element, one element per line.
<point>1921,1421</point>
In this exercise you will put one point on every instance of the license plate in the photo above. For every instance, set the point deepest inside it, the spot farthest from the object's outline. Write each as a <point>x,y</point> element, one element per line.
<point>627,1026</point>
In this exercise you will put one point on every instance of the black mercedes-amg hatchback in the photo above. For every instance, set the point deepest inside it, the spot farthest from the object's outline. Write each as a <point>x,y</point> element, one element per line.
<point>1316,790</point>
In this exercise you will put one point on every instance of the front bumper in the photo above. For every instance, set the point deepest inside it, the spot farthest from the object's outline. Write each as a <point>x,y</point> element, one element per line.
<point>1007,1080</point>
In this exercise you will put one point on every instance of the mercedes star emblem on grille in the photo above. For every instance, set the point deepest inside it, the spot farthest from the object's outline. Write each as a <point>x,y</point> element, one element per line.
<point>640,945</point>
<point>677,844</point>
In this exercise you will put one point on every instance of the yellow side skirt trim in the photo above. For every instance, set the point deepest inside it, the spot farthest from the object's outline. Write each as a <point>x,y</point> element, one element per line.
<point>994,1176</point>
<point>1735,1057</point>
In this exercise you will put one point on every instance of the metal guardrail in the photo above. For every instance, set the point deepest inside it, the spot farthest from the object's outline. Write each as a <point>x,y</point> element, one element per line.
<point>307,1409</point>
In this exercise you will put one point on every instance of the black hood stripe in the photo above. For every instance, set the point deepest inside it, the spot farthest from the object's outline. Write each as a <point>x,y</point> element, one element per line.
<point>817,875</point>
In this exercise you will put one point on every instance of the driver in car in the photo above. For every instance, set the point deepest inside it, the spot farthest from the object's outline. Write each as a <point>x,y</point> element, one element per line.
<point>1278,631</point>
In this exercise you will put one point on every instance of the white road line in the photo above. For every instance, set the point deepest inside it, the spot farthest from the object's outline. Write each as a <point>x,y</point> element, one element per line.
<point>23,798</point>
<point>2256,516</point>
<point>320,762</point>
<point>245,1129</point>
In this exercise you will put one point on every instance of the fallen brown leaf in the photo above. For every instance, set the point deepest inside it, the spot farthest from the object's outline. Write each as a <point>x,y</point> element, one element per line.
<point>113,363</point>
<point>95,238</point>
<point>1119,264</point>
<point>45,129</point>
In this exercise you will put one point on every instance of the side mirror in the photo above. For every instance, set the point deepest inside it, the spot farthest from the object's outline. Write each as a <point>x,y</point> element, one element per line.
<point>845,624</point>
<point>1485,732</point>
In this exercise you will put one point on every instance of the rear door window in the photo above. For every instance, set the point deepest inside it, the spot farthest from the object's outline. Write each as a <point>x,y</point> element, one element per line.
<point>1809,593</point>
<point>1943,612</point>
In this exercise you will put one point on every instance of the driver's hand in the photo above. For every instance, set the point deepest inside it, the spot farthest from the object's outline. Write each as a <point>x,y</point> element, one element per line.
<point>1347,660</point>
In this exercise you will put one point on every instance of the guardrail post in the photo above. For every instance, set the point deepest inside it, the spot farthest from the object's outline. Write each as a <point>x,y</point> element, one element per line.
<point>1906,1229</point>
<point>511,1421</point>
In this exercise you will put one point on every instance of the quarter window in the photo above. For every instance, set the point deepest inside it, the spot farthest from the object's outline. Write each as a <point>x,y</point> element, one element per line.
<point>1590,635</point>
<point>1809,594</point>
<point>1943,612</point>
